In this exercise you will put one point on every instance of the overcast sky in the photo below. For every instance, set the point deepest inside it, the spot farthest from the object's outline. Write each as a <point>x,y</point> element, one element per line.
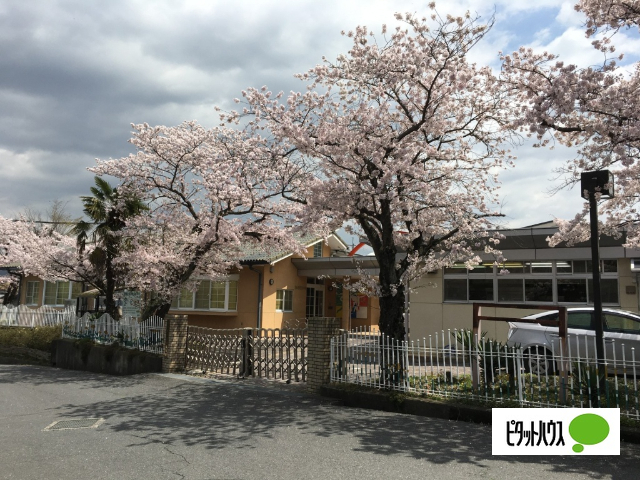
<point>75,74</point>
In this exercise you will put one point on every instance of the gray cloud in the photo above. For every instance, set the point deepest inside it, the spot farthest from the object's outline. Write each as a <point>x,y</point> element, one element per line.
<point>75,74</point>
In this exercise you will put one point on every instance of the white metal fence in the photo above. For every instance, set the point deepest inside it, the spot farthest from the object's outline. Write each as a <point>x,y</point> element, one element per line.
<point>453,365</point>
<point>147,335</point>
<point>24,316</point>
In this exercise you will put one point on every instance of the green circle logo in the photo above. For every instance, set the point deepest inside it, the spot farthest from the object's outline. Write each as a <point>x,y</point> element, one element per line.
<point>588,429</point>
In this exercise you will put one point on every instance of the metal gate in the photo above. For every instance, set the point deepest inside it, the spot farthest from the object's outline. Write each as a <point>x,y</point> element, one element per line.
<point>249,352</point>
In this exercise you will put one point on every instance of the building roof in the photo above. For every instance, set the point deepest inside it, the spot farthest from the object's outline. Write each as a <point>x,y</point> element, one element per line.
<point>254,253</point>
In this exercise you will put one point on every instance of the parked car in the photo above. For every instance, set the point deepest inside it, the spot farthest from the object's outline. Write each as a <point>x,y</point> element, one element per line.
<point>539,343</point>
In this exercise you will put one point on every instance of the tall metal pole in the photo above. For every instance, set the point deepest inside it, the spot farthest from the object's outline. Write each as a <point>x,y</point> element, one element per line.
<point>597,298</point>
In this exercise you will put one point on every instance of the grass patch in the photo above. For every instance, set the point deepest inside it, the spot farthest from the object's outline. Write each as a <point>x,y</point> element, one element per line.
<point>38,338</point>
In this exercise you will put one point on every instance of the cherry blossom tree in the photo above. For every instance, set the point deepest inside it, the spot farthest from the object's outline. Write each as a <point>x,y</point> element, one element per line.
<point>210,192</point>
<point>46,253</point>
<point>406,138</point>
<point>77,251</point>
<point>593,109</point>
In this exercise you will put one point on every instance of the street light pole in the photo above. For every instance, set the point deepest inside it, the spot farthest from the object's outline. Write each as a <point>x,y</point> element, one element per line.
<point>594,183</point>
<point>595,266</point>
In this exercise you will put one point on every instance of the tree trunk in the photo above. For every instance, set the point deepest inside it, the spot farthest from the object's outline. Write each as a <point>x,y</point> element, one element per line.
<point>109,301</point>
<point>163,310</point>
<point>393,371</point>
<point>155,308</point>
<point>391,296</point>
<point>11,295</point>
<point>392,314</point>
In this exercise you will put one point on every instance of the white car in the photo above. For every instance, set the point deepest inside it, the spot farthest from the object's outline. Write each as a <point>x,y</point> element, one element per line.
<point>539,343</point>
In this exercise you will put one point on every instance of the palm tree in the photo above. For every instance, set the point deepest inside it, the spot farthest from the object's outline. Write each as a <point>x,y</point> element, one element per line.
<point>108,213</point>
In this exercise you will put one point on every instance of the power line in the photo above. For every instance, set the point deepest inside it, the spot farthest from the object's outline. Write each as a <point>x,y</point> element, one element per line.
<point>62,222</point>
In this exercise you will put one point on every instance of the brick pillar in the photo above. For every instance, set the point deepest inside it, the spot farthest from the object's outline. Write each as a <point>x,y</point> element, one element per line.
<point>174,358</point>
<point>320,329</point>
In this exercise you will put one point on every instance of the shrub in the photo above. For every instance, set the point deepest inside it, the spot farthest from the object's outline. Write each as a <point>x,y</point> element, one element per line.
<point>38,338</point>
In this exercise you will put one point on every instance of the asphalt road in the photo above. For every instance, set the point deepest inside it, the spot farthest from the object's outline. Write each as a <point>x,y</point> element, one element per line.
<point>175,427</point>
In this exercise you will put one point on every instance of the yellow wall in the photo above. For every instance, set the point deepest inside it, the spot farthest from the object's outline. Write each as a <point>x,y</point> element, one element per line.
<point>246,314</point>
<point>285,277</point>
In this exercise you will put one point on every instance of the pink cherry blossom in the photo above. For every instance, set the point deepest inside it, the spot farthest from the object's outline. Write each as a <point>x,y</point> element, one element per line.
<point>406,138</point>
<point>594,110</point>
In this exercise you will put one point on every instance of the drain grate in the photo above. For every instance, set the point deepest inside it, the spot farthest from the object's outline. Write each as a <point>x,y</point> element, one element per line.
<point>75,424</point>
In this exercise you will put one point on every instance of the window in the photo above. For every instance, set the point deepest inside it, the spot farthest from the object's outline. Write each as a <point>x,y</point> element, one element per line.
<point>552,281</point>
<point>510,290</point>
<point>317,250</point>
<point>284,300</point>
<point>608,290</point>
<point>580,320</point>
<point>56,293</point>
<point>539,267</point>
<point>618,323</point>
<point>185,300</point>
<point>538,290</point>
<point>481,289</point>
<point>217,296</point>
<point>572,290</point>
<point>455,290</point>
<point>32,293</point>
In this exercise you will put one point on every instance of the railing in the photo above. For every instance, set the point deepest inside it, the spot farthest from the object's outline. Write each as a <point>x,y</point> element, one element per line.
<point>24,316</point>
<point>268,353</point>
<point>449,364</point>
<point>147,335</point>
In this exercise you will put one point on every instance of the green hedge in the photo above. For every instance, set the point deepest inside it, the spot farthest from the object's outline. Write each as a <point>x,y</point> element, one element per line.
<point>38,338</point>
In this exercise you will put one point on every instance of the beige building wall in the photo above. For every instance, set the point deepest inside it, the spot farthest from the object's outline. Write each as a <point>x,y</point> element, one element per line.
<point>429,314</point>
<point>627,285</point>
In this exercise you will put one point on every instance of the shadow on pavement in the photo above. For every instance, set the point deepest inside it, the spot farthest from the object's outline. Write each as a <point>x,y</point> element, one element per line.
<point>216,415</point>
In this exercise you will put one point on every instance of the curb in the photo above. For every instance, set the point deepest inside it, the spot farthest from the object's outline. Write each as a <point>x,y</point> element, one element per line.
<point>422,407</point>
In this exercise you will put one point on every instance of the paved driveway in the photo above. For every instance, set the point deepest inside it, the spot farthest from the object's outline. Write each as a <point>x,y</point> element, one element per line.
<point>174,427</point>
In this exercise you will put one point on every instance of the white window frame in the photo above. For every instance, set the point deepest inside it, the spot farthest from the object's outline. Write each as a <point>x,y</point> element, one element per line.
<point>316,246</point>
<point>554,276</point>
<point>34,295</point>
<point>285,293</point>
<point>44,292</point>
<point>230,278</point>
